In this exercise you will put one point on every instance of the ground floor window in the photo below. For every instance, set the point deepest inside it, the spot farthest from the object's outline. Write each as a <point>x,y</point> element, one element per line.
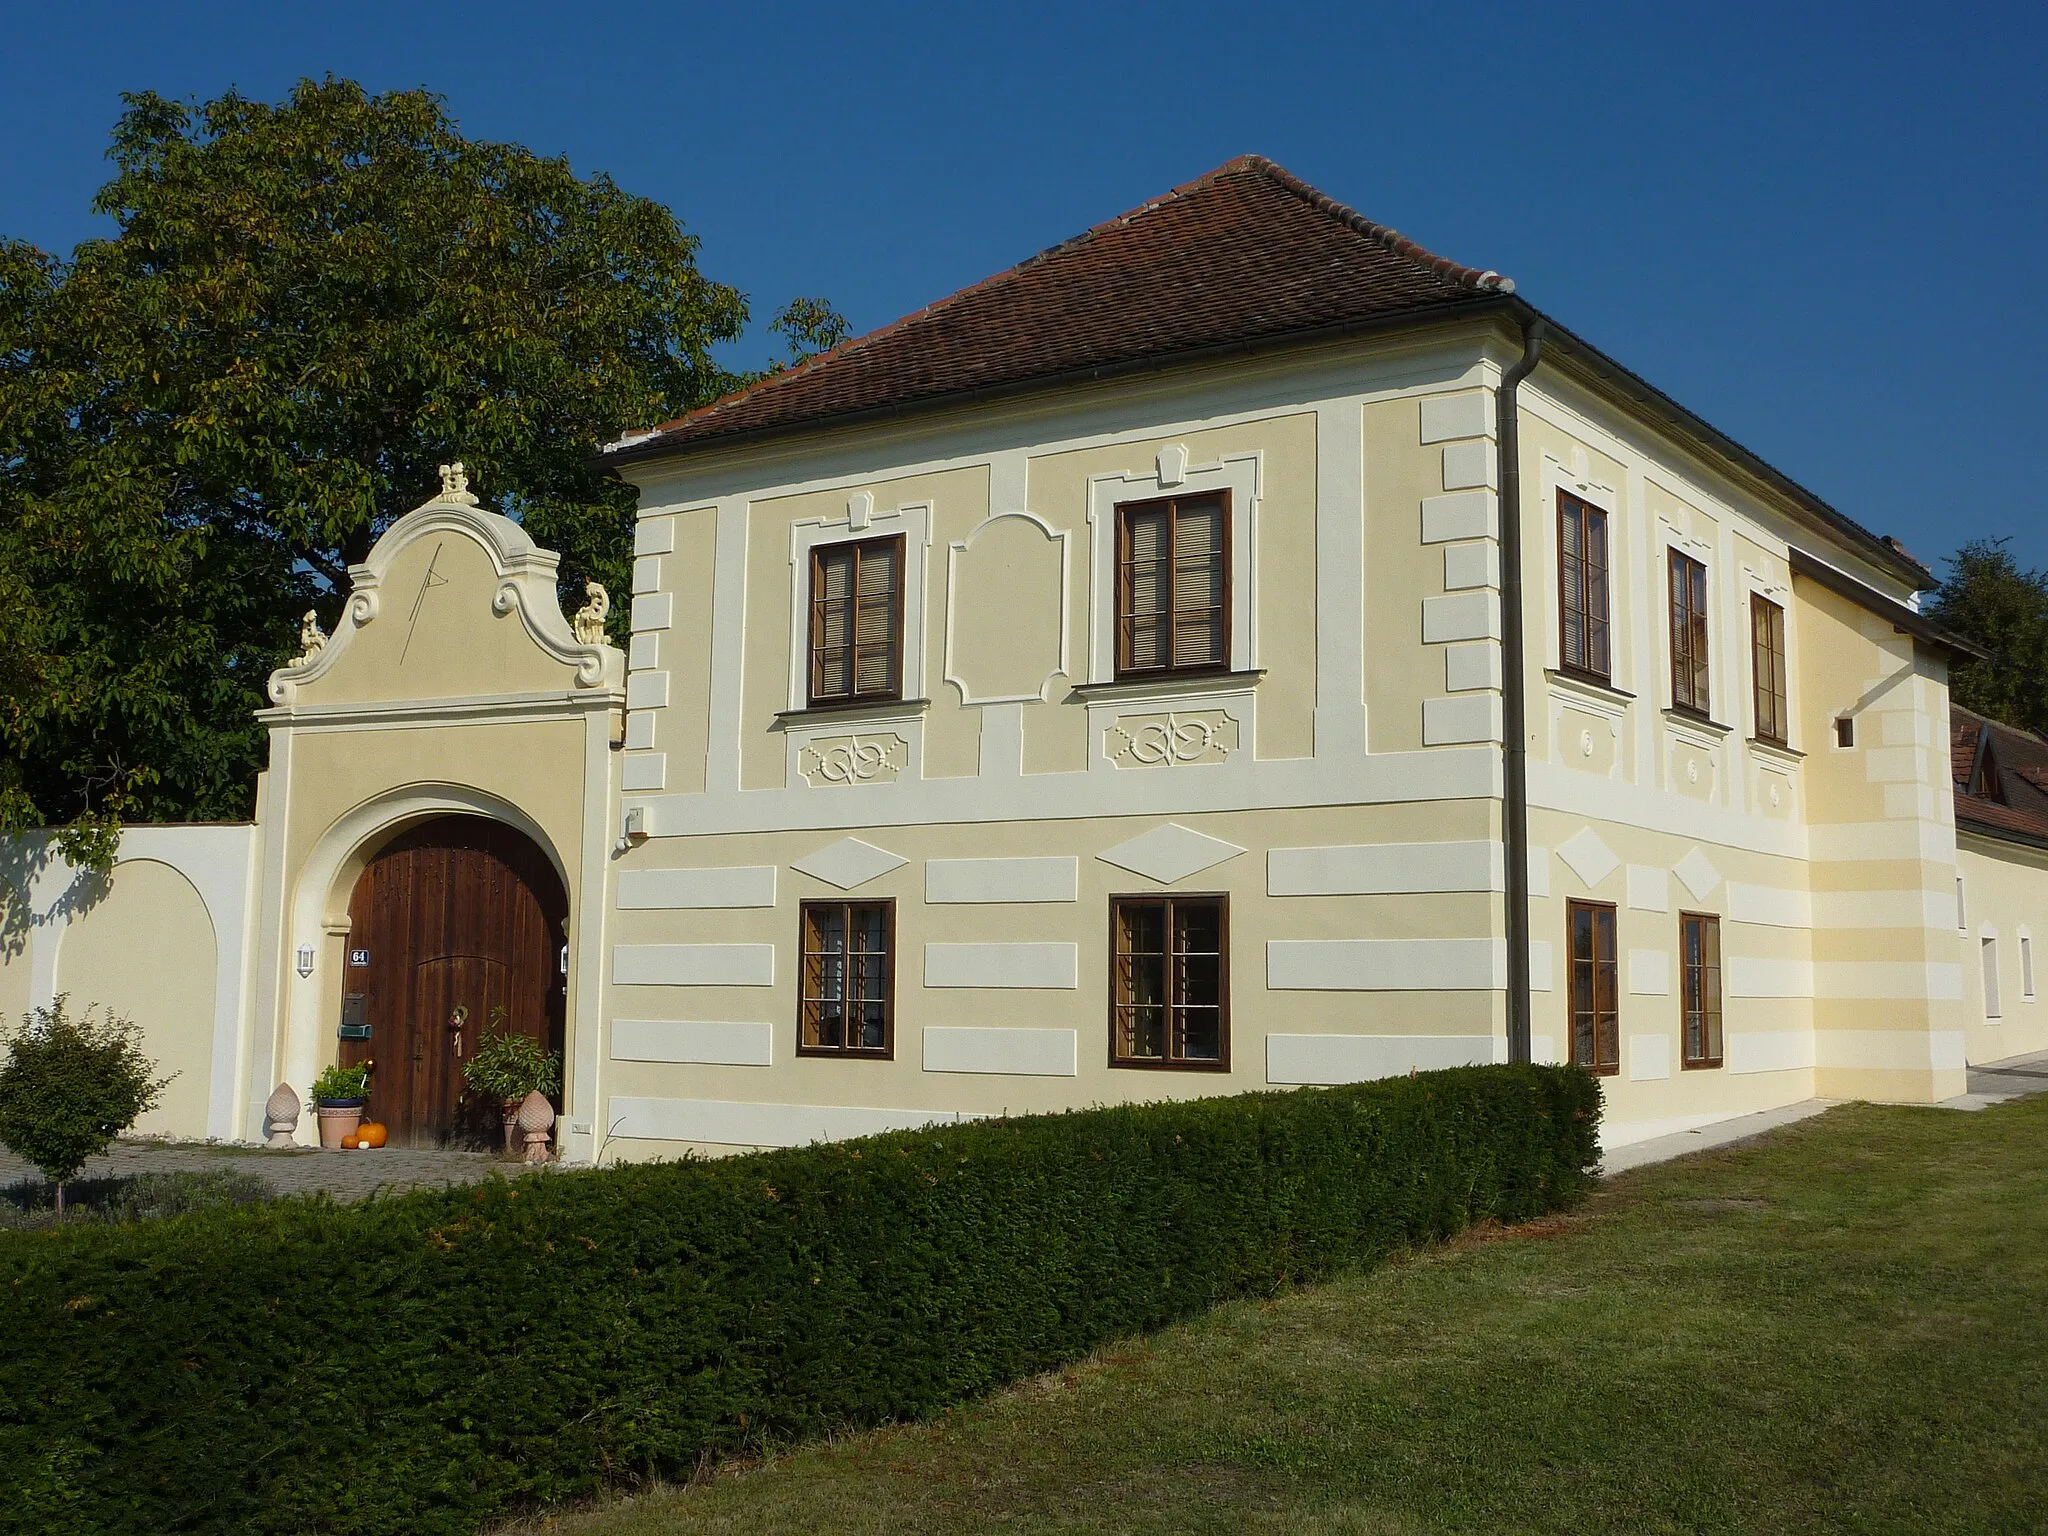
<point>1699,965</point>
<point>1595,1022</point>
<point>1169,981</point>
<point>847,981</point>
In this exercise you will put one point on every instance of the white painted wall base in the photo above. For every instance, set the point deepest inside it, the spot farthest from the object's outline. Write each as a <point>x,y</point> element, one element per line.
<point>723,1122</point>
<point>1360,1058</point>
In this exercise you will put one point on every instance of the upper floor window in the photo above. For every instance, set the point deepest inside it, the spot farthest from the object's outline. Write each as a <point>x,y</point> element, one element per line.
<point>1767,668</point>
<point>1169,981</point>
<point>1582,586</point>
<point>1173,585</point>
<point>1688,634</point>
<point>857,621</point>
<point>846,985</point>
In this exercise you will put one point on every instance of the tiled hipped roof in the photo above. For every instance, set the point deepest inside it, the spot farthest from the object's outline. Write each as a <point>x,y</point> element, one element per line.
<point>1245,254</point>
<point>2001,777</point>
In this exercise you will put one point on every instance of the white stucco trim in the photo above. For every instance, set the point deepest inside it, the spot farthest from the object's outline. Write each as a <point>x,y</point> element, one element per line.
<point>955,552</point>
<point>914,522</point>
<point>1239,474</point>
<point>678,889</point>
<point>956,881</point>
<point>722,1122</point>
<point>1292,1059</point>
<point>705,1042</point>
<point>1008,966</point>
<point>693,965</point>
<point>1002,1052</point>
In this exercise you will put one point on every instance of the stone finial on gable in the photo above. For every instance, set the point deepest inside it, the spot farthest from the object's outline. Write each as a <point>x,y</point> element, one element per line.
<point>589,620</point>
<point>311,640</point>
<point>455,484</point>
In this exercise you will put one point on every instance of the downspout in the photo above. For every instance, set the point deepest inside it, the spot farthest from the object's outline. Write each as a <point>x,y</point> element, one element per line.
<point>1514,704</point>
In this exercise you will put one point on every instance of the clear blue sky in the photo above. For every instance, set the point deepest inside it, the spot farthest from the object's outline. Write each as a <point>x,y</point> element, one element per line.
<point>1821,227</point>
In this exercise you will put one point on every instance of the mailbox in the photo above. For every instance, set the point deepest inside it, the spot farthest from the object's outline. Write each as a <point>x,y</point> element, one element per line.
<point>355,1017</point>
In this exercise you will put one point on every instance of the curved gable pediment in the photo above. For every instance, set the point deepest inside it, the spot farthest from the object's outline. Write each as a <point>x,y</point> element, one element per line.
<point>455,601</point>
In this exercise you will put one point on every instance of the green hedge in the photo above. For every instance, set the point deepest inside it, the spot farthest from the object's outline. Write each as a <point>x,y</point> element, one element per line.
<point>421,1363</point>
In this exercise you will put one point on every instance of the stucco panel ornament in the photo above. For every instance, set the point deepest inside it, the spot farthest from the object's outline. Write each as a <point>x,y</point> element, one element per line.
<point>842,760</point>
<point>1161,741</point>
<point>526,587</point>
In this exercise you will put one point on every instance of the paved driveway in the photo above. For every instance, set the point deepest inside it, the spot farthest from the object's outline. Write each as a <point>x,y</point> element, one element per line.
<point>344,1175</point>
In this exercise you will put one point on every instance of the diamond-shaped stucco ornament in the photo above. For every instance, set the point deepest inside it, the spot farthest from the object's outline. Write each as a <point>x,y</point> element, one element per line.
<point>1170,853</point>
<point>848,862</point>
<point>1587,857</point>
<point>1699,875</point>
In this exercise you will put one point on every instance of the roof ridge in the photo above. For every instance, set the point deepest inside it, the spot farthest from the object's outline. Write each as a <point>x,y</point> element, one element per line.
<point>1388,239</point>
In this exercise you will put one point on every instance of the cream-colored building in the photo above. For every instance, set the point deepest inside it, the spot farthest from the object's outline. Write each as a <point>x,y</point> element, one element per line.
<point>1112,682</point>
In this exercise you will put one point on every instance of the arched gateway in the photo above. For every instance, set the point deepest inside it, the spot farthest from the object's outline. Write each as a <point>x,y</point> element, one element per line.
<point>457,926</point>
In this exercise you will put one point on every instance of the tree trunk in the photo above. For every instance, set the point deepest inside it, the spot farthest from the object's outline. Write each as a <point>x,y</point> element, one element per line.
<point>60,1199</point>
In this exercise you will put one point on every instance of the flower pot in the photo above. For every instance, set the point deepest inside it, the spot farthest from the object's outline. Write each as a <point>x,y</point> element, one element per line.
<point>337,1121</point>
<point>510,1109</point>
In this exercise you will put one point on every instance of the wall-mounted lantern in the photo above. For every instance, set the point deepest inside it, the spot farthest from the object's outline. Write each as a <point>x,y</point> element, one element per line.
<point>305,959</point>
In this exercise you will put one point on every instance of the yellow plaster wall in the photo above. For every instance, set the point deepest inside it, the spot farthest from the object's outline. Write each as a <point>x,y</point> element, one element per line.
<point>1400,572</point>
<point>146,951</point>
<point>2005,888</point>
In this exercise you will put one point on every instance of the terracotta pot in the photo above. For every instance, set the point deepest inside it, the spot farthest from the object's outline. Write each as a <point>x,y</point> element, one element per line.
<point>337,1121</point>
<point>510,1109</point>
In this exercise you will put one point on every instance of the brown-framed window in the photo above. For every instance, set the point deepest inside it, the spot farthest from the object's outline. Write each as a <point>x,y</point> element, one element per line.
<point>846,980</point>
<point>1699,987</point>
<point>1173,585</point>
<point>1582,587</point>
<point>1169,981</point>
<point>1688,634</point>
<point>1767,668</point>
<point>857,621</point>
<point>1595,1021</point>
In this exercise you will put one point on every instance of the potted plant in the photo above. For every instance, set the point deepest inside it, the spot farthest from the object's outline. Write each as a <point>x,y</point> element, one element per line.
<point>507,1067</point>
<point>338,1094</point>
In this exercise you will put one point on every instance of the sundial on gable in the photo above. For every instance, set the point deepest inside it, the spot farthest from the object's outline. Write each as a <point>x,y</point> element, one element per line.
<point>454,487</point>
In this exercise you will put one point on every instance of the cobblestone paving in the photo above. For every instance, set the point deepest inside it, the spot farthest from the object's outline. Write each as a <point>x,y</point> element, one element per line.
<point>300,1171</point>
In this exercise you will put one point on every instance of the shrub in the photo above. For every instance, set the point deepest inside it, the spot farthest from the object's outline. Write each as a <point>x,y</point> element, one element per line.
<point>340,1085</point>
<point>70,1086</point>
<point>424,1362</point>
<point>144,1197</point>
<point>507,1067</point>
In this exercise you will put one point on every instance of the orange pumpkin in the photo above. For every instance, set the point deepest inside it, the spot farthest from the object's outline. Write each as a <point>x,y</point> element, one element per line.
<point>373,1135</point>
<point>350,1142</point>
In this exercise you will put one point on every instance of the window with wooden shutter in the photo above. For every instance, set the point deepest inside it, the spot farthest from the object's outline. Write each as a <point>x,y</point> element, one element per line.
<point>857,621</point>
<point>846,980</point>
<point>1582,587</point>
<point>1169,982</point>
<point>1699,989</point>
<point>1767,669</point>
<point>1595,1019</point>
<point>1173,585</point>
<point>1689,690</point>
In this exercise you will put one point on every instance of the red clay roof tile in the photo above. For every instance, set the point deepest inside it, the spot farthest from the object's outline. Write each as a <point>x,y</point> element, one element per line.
<point>1247,253</point>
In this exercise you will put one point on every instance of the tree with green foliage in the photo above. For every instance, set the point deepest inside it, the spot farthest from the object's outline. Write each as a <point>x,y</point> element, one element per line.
<point>1990,599</point>
<point>208,417</point>
<point>70,1086</point>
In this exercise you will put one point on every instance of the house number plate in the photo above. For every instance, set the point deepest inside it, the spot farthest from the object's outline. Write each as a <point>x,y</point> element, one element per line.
<point>359,957</point>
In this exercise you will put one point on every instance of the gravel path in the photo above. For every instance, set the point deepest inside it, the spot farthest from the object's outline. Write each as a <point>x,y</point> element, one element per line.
<point>299,1171</point>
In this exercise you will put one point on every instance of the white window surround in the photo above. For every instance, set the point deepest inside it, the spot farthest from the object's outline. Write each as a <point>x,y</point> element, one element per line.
<point>1239,474</point>
<point>1754,585</point>
<point>914,522</point>
<point>1558,476</point>
<point>1660,597</point>
<point>1987,948</point>
<point>2026,966</point>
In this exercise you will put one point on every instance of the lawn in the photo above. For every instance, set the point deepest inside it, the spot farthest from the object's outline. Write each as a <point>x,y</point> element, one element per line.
<point>1841,1327</point>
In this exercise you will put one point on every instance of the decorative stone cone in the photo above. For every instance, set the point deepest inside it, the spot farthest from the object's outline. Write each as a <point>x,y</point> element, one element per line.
<point>337,1121</point>
<point>281,1113</point>
<point>536,1116</point>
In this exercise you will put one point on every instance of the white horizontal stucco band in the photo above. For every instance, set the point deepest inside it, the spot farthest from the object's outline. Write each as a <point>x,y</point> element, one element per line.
<point>1771,906</point>
<point>1386,965</point>
<point>727,1123</point>
<point>1782,1050</point>
<point>1008,1052</point>
<point>693,1040</point>
<point>1377,869</point>
<point>1360,1058</point>
<point>1001,965</point>
<point>693,965</point>
<point>1845,980</point>
<point>1649,1057</point>
<point>989,880</point>
<point>1893,1050</point>
<point>676,889</point>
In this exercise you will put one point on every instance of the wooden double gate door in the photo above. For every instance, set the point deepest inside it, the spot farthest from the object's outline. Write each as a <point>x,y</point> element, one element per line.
<point>456,927</point>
